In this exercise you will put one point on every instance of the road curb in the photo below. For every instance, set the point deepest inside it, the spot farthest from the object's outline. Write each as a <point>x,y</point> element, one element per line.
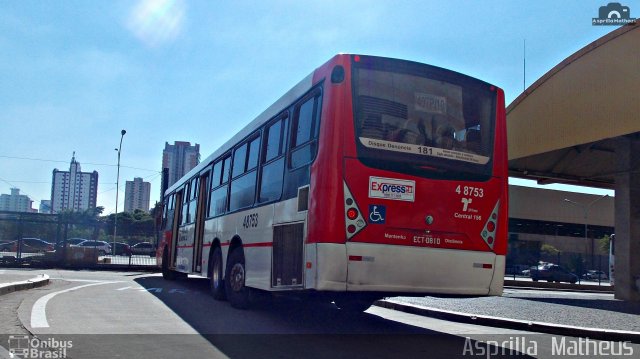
<point>39,281</point>
<point>540,327</point>
<point>558,286</point>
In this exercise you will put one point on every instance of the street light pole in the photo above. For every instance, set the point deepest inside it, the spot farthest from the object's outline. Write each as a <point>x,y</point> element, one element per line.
<point>115,218</point>
<point>585,209</point>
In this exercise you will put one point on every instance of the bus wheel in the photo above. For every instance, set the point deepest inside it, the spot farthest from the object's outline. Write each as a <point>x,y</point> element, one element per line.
<point>237,293</point>
<point>216,284</point>
<point>167,273</point>
<point>353,306</point>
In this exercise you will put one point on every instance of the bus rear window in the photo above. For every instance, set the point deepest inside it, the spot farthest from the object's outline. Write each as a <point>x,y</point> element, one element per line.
<point>409,117</point>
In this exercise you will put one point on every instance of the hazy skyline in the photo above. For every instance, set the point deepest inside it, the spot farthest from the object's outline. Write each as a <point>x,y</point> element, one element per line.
<point>75,73</point>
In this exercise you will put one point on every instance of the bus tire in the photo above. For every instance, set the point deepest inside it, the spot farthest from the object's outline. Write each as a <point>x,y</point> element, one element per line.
<point>216,283</point>
<point>167,273</point>
<point>237,293</point>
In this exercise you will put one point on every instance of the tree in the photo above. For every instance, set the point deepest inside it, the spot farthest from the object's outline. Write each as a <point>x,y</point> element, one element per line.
<point>549,249</point>
<point>81,224</point>
<point>131,224</point>
<point>604,243</point>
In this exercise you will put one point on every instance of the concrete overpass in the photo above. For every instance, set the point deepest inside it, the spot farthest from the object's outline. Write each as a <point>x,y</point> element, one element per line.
<point>580,124</point>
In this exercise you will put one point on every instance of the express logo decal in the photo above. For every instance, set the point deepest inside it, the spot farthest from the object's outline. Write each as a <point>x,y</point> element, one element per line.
<point>393,189</point>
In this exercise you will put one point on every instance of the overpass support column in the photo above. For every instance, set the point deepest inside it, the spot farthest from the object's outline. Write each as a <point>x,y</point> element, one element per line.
<point>627,220</point>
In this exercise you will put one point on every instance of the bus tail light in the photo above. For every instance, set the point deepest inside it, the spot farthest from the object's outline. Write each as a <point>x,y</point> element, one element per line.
<point>489,231</point>
<point>354,222</point>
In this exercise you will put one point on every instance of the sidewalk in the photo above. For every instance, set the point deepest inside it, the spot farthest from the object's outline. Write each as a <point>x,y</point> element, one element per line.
<point>579,314</point>
<point>11,282</point>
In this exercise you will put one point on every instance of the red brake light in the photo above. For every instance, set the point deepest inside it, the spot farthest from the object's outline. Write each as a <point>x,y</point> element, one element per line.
<point>352,213</point>
<point>356,58</point>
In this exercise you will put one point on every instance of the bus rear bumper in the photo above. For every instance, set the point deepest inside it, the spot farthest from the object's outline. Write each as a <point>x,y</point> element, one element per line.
<point>365,267</point>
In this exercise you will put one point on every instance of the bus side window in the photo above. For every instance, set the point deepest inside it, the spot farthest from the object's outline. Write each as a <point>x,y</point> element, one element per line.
<point>218,200</point>
<point>193,199</point>
<point>185,204</point>
<point>243,183</point>
<point>169,212</point>
<point>304,133</point>
<point>272,171</point>
<point>165,209</point>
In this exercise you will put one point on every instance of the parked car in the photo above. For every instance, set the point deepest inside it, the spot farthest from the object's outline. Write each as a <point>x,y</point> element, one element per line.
<point>553,273</point>
<point>144,248</point>
<point>102,246</point>
<point>5,246</point>
<point>70,242</point>
<point>595,275</point>
<point>515,269</point>
<point>75,241</point>
<point>527,272</point>
<point>29,245</point>
<point>121,249</point>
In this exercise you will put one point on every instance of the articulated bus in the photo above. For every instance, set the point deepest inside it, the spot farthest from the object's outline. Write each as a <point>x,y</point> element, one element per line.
<point>372,177</point>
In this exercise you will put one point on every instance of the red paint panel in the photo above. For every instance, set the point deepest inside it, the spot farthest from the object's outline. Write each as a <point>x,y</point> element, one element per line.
<point>456,225</point>
<point>326,210</point>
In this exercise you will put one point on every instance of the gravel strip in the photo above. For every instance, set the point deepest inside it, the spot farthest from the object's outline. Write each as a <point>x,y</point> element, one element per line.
<point>573,309</point>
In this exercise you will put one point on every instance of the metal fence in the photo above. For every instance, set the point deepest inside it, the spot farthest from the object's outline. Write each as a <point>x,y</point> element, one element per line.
<point>32,239</point>
<point>579,267</point>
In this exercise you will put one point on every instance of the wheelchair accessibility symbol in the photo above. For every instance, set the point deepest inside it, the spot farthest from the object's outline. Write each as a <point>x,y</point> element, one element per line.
<point>377,214</point>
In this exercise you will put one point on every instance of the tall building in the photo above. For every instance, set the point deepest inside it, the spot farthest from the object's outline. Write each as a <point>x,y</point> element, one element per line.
<point>178,159</point>
<point>45,206</point>
<point>73,189</point>
<point>16,202</point>
<point>136,195</point>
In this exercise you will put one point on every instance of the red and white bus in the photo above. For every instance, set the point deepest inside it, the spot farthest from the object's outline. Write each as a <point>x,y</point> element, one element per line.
<point>371,177</point>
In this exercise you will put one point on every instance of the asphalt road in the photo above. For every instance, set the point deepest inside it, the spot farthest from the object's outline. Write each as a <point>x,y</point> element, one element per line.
<point>139,315</point>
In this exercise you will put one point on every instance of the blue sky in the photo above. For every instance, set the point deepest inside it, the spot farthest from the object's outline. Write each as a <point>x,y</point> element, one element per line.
<point>74,73</point>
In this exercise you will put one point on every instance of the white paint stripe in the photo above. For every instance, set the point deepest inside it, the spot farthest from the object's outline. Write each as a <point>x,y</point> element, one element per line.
<point>88,280</point>
<point>38,312</point>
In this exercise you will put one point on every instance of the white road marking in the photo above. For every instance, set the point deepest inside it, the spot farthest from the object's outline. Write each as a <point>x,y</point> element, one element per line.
<point>38,312</point>
<point>87,280</point>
